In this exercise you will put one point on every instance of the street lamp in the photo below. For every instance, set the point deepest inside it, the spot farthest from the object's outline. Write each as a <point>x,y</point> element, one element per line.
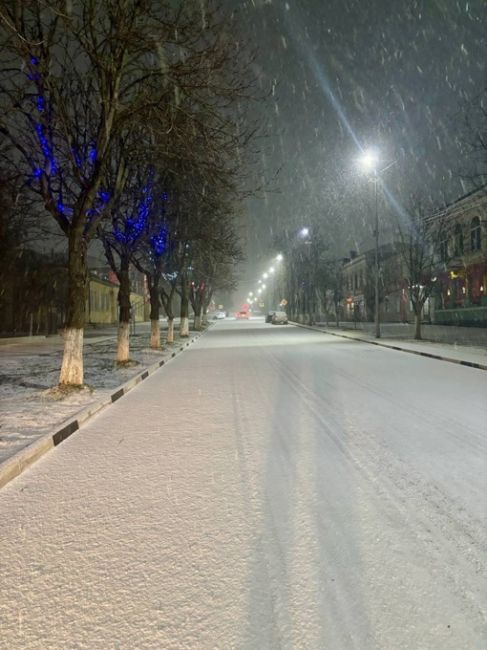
<point>272,269</point>
<point>369,161</point>
<point>304,232</point>
<point>279,258</point>
<point>265,276</point>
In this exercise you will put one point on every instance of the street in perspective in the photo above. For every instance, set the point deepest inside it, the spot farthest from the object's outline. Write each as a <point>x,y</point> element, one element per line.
<point>298,490</point>
<point>243,325</point>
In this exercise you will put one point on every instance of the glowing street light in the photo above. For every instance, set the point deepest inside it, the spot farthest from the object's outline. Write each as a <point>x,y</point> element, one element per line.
<point>264,286</point>
<point>279,258</point>
<point>369,159</point>
<point>304,232</point>
<point>272,269</point>
<point>265,276</point>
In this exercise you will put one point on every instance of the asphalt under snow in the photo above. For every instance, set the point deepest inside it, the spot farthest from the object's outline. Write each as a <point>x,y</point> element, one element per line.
<point>271,488</point>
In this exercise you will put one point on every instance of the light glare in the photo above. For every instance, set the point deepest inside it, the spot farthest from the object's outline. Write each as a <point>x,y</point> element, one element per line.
<point>369,159</point>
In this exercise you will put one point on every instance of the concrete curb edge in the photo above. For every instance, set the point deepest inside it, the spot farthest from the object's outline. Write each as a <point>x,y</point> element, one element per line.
<point>23,459</point>
<point>429,355</point>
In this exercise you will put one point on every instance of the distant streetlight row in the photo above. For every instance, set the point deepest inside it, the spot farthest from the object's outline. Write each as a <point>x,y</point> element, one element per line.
<point>251,298</point>
<point>369,161</point>
<point>262,286</point>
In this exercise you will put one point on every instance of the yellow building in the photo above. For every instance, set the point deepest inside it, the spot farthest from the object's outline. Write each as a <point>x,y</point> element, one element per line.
<point>102,304</point>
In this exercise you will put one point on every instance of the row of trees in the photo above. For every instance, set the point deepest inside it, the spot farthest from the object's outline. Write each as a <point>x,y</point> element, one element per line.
<point>313,274</point>
<point>122,120</point>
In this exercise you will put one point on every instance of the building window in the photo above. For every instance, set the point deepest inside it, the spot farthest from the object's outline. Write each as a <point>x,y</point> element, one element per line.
<point>475,234</point>
<point>458,240</point>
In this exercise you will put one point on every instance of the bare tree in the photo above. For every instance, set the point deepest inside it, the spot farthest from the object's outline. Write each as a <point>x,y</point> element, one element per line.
<point>76,76</point>
<point>124,235</point>
<point>422,240</point>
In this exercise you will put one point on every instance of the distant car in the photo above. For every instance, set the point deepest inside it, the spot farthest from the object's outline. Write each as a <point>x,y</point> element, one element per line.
<point>242,315</point>
<point>279,318</point>
<point>268,316</point>
<point>219,315</point>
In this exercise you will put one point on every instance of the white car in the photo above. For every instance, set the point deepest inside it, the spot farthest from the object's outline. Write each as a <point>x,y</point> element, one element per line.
<point>279,318</point>
<point>219,315</point>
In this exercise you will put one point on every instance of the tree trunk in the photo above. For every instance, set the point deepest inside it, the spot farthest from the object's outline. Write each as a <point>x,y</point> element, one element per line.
<point>72,365</point>
<point>417,325</point>
<point>184,327</point>
<point>206,304</point>
<point>155,333</point>
<point>184,324</point>
<point>123,340</point>
<point>170,330</point>
<point>197,313</point>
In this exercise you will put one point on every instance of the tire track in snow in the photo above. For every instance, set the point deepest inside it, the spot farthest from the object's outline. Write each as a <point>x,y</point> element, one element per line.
<point>457,539</point>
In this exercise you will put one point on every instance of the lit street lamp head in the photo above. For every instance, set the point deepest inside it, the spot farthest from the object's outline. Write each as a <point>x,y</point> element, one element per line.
<point>279,258</point>
<point>304,232</point>
<point>369,159</point>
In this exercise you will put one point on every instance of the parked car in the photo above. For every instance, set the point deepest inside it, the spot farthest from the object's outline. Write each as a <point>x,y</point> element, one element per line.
<point>268,316</point>
<point>219,315</point>
<point>242,315</point>
<point>279,318</point>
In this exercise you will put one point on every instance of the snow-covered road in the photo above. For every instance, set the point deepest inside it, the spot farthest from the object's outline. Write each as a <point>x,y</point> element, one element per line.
<point>272,487</point>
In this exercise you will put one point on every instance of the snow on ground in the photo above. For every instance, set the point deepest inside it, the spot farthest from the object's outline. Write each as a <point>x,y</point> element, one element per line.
<point>277,488</point>
<point>28,408</point>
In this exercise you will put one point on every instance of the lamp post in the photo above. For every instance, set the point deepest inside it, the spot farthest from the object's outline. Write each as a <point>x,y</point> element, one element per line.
<point>376,260</point>
<point>368,161</point>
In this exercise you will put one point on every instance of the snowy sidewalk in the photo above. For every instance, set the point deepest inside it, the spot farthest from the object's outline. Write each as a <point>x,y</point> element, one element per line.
<point>475,357</point>
<point>28,370</point>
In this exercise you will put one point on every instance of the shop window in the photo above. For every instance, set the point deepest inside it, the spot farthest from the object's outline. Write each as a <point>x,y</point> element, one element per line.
<point>475,234</point>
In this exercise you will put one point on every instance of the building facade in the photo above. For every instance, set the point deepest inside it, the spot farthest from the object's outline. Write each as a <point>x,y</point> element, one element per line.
<point>460,295</point>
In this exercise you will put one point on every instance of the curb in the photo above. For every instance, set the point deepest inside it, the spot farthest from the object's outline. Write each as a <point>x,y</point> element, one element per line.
<point>23,459</point>
<point>429,355</point>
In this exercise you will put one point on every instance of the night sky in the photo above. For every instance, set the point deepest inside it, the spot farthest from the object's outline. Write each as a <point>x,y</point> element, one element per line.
<point>347,74</point>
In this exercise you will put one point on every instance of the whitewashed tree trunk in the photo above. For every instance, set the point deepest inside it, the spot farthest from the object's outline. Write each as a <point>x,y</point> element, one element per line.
<point>417,324</point>
<point>72,366</point>
<point>123,344</point>
<point>155,334</point>
<point>184,327</point>
<point>170,330</point>
<point>197,322</point>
